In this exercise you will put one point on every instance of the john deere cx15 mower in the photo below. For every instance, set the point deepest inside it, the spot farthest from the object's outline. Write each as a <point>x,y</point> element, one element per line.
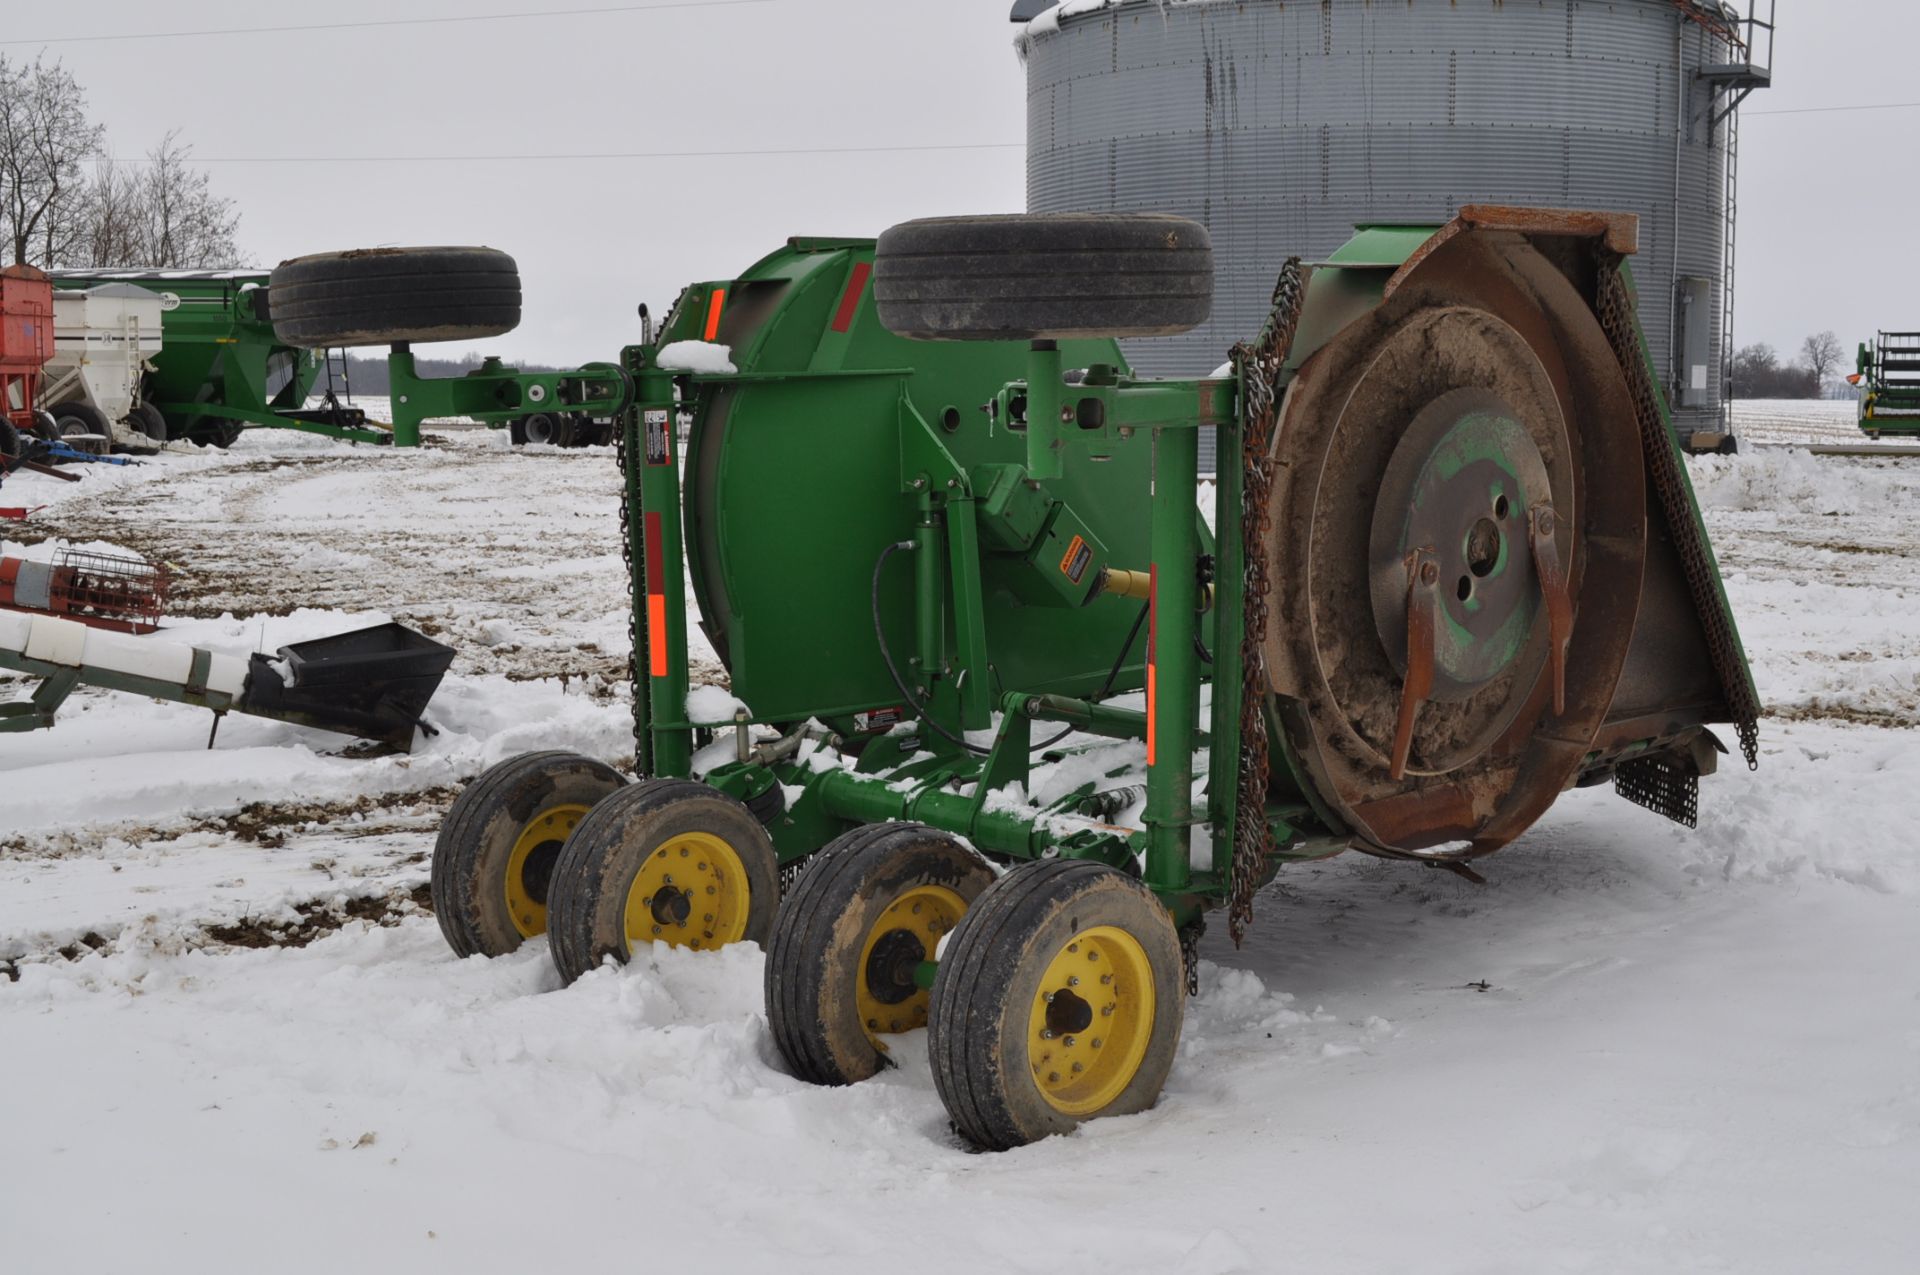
<point>1456,569</point>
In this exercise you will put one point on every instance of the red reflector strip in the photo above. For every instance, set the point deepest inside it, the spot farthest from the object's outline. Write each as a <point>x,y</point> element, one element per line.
<point>656,600</point>
<point>1153,660</point>
<point>715,304</point>
<point>850,302</point>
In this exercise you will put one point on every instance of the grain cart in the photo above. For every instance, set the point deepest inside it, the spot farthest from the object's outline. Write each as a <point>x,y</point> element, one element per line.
<point>220,368</point>
<point>1459,570</point>
<point>104,341</point>
<point>26,343</point>
<point>1888,373</point>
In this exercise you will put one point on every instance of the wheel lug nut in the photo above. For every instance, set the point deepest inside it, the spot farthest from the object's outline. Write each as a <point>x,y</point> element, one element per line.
<point>1106,1010</point>
<point>669,878</point>
<point>1073,981</point>
<point>1077,1069</point>
<point>1105,979</point>
<point>1047,997</point>
<point>656,929</point>
<point>683,852</point>
<point>1096,1042</point>
<point>1053,1077</point>
<point>709,889</point>
<point>1068,1042</point>
<point>1047,1034</point>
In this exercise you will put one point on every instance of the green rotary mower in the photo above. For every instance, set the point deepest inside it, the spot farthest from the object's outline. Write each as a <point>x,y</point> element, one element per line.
<point>1010,719</point>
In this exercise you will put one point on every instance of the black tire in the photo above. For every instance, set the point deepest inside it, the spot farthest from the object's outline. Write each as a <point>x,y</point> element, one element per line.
<point>550,428</point>
<point>81,418</point>
<point>639,835</point>
<point>378,296</point>
<point>868,909</point>
<point>217,431</point>
<point>989,989</point>
<point>9,438</point>
<point>1051,275</point>
<point>475,855</point>
<point>45,428</point>
<point>517,432</point>
<point>147,419</point>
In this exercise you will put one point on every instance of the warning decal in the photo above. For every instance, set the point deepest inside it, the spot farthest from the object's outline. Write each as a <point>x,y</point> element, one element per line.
<point>1074,565</point>
<point>659,439</point>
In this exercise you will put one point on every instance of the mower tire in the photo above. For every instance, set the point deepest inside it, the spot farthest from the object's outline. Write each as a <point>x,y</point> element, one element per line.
<point>661,861</point>
<point>493,863</point>
<point>1043,276</point>
<point>1058,1000</point>
<point>842,963</point>
<point>380,296</point>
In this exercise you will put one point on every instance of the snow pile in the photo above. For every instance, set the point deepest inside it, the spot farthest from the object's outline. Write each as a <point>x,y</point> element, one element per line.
<point>713,705</point>
<point>696,356</point>
<point>1781,480</point>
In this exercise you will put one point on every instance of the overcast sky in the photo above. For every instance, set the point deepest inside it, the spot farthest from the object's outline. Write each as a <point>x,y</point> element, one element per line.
<point>1818,192</point>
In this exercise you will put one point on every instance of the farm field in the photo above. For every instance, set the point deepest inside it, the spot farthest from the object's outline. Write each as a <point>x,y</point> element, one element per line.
<point>227,1016</point>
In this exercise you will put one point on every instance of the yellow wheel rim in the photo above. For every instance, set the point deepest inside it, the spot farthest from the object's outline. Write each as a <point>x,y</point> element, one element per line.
<point>908,932</point>
<point>530,866</point>
<point>1091,1020</point>
<point>691,892</point>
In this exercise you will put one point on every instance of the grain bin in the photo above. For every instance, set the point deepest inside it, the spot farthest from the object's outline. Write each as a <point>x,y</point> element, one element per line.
<point>1282,124</point>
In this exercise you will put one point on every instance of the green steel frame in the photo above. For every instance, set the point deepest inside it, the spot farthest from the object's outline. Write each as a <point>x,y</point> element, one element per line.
<point>1888,372</point>
<point>221,367</point>
<point>919,774</point>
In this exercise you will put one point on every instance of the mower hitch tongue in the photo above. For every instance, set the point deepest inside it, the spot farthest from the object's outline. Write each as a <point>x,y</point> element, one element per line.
<point>1454,567</point>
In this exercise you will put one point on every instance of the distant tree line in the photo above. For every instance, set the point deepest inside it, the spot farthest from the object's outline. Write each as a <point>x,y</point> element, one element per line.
<point>64,201</point>
<point>367,373</point>
<point>1759,371</point>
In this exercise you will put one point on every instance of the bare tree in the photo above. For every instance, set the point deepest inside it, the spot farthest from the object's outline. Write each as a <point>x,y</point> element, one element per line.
<point>1823,353</point>
<point>110,220</point>
<point>182,224</point>
<point>44,136</point>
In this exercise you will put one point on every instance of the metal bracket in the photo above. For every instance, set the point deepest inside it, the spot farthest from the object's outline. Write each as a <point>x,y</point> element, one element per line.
<point>1423,611</point>
<point>1553,587</point>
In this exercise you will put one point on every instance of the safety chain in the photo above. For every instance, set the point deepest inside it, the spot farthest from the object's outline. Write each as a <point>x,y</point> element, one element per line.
<point>1260,367</point>
<point>1670,485</point>
<point>1190,954</point>
<point>629,483</point>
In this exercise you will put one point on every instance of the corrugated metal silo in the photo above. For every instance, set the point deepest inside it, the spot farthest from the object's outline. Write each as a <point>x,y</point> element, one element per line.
<point>1281,124</point>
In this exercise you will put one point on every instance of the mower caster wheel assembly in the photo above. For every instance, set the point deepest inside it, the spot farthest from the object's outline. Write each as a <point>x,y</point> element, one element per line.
<point>843,964</point>
<point>662,861</point>
<point>494,861</point>
<point>1058,1000</point>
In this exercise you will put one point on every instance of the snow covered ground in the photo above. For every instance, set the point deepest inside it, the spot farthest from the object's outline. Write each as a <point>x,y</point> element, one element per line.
<point>229,1031</point>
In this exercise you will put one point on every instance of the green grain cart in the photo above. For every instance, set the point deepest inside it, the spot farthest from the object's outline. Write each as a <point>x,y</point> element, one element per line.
<point>942,538</point>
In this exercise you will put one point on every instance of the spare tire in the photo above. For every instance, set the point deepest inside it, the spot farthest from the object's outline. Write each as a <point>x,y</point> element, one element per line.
<point>378,296</point>
<point>1047,275</point>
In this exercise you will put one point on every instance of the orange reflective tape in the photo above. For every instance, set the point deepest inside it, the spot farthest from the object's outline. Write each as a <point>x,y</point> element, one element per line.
<point>657,633</point>
<point>715,304</point>
<point>1153,660</point>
